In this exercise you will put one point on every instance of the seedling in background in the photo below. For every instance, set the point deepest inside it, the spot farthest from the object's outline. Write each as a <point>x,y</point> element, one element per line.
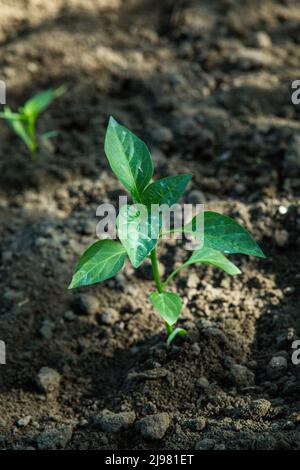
<point>24,122</point>
<point>131,162</point>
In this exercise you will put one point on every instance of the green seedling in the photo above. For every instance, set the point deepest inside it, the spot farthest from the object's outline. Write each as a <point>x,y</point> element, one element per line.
<point>131,162</point>
<point>24,122</point>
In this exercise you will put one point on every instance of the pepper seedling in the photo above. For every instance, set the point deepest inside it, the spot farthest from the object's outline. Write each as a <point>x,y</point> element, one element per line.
<point>24,122</point>
<point>139,234</point>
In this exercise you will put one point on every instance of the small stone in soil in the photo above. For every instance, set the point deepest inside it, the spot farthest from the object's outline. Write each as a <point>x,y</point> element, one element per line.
<point>69,315</point>
<point>241,376</point>
<point>55,438</point>
<point>86,304</point>
<point>262,40</point>
<point>260,408</point>
<point>220,446</point>
<point>283,338</point>
<point>202,383</point>
<point>46,330</point>
<point>195,348</point>
<point>150,374</point>
<point>7,256</point>
<point>114,422</point>
<point>108,317</point>
<point>196,197</point>
<point>23,422</point>
<point>197,424</point>
<point>282,210</point>
<point>193,280</point>
<point>281,237</point>
<point>48,380</point>
<point>163,136</point>
<point>154,427</point>
<point>205,444</point>
<point>277,367</point>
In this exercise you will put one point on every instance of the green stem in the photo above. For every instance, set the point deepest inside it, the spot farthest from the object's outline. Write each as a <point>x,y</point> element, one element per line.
<point>159,286</point>
<point>155,270</point>
<point>169,329</point>
<point>32,134</point>
<point>170,277</point>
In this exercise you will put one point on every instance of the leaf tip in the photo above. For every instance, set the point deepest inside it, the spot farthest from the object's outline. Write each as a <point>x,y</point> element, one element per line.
<point>72,284</point>
<point>112,122</point>
<point>259,252</point>
<point>262,255</point>
<point>60,91</point>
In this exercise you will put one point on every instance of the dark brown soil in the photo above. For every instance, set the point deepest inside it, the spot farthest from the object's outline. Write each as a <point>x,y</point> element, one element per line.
<point>210,95</point>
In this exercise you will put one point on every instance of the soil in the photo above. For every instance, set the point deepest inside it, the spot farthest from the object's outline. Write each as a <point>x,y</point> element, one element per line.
<point>207,84</point>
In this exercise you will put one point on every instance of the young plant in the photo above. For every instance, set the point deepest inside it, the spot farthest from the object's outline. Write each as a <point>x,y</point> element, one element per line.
<point>140,231</point>
<point>24,122</point>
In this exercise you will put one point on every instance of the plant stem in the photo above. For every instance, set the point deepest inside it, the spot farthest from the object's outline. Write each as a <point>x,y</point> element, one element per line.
<point>155,270</point>
<point>32,134</point>
<point>159,286</point>
<point>170,277</point>
<point>169,329</point>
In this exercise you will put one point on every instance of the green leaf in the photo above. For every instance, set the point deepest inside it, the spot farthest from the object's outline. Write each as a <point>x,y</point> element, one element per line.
<point>8,115</point>
<point>207,255</point>
<point>167,190</point>
<point>16,123</point>
<point>38,103</point>
<point>138,231</point>
<point>225,234</point>
<point>129,158</point>
<point>168,304</point>
<point>99,262</point>
<point>48,135</point>
<point>210,256</point>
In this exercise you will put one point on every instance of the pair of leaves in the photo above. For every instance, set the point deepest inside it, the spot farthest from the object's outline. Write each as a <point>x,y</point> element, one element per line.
<point>131,162</point>
<point>169,305</point>
<point>38,103</point>
<point>23,123</point>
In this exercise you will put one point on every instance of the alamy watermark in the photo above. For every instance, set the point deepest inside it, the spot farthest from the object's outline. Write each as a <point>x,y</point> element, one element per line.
<point>2,353</point>
<point>295,97</point>
<point>138,221</point>
<point>296,353</point>
<point>2,92</point>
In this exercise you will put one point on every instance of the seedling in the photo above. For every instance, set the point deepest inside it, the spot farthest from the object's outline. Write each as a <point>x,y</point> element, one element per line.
<point>131,162</point>
<point>24,122</point>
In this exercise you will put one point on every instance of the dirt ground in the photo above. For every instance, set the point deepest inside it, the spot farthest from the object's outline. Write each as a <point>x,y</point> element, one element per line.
<point>207,84</point>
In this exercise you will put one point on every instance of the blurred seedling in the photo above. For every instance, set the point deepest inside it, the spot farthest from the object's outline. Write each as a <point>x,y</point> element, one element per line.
<point>24,121</point>
<point>139,231</point>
